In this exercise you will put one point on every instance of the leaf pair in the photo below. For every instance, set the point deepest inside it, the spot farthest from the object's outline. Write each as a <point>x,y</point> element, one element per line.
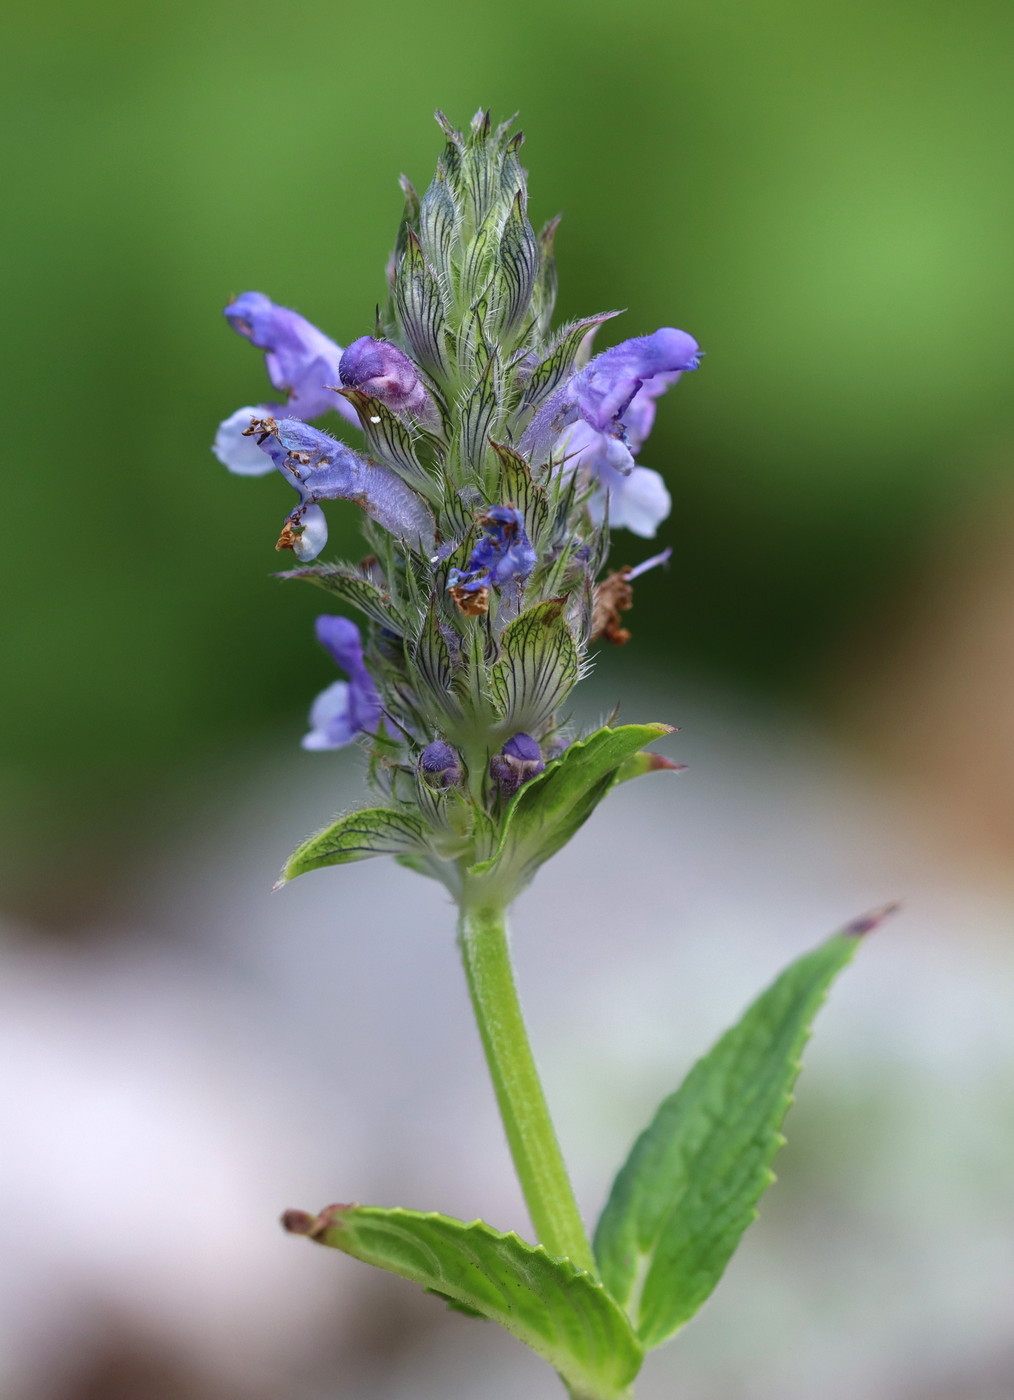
<point>677,1210</point>
<point>541,817</point>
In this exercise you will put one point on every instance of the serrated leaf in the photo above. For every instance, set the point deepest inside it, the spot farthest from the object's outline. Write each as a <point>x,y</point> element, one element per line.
<point>561,1312</point>
<point>355,589</point>
<point>538,667</point>
<point>547,811</point>
<point>691,1184</point>
<point>374,831</point>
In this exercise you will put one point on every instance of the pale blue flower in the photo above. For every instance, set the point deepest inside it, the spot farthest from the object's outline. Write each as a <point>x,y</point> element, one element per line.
<point>345,708</point>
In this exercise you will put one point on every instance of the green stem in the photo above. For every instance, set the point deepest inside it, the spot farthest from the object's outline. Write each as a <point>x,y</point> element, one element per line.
<point>529,1128</point>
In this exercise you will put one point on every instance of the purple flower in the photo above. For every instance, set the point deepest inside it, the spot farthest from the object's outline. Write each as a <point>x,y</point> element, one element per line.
<point>603,390</point>
<point>601,417</point>
<point>300,361</point>
<point>636,497</point>
<point>345,708</point>
<point>299,358</point>
<point>439,765</point>
<point>377,368</point>
<point>323,469</point>
<point>518,762</point>
<point>503,554</point>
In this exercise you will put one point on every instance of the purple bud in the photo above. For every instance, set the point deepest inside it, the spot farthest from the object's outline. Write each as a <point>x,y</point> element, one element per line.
<point>518,762</point>
<point>439,765</point>
<point>377,368</point>
<point>524,748</point>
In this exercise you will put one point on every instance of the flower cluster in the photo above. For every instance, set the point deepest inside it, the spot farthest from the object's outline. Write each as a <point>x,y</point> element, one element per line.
<point>495,454</point>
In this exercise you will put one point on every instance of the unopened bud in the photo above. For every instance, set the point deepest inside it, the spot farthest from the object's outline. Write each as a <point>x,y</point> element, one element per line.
<point>439,765</point>
<point>377,368</point>
<point>518,762</point>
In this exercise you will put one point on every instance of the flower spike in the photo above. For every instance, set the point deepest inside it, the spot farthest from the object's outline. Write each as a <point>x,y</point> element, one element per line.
<point>496,454</point>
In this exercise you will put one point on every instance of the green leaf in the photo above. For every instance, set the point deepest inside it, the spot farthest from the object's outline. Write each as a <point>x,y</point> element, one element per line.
<point>431,671</point>
<point>374,831</point>
<point>547,811</point>
<point>437,221</point>
<point>561,1312</point>
<point>537,669</point>
<point>478,409</point>
<point>691,1184</point>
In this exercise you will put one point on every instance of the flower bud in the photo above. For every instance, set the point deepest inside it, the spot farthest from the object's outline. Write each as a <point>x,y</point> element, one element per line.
<point>439,765</point>
<point>518,762</point>
<point>377,368</point>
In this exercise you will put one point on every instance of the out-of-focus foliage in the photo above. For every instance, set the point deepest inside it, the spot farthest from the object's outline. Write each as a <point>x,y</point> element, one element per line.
<point>822,194</point>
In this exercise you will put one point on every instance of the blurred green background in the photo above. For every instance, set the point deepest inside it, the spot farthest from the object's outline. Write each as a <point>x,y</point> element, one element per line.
<point>822,193</point>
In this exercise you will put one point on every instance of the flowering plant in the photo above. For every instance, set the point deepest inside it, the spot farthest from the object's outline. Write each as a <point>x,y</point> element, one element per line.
<point>497,453</point>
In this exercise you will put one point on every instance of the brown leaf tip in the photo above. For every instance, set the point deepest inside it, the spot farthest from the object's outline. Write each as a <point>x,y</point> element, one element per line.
<point>301,1222</point>
<point>298,1222</point>
<point>866,923</point>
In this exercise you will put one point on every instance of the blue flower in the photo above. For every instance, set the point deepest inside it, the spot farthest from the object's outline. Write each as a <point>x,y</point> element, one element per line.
<point>504,553</point>
<point>300,361</point>
<point>636,497</point>
<point>323,469</point>
<point>345,708</point>
<point>377,368</point>
<point>599,419</point>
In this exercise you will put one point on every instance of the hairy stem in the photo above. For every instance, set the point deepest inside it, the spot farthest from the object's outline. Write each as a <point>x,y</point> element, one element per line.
<point>529,1128</point>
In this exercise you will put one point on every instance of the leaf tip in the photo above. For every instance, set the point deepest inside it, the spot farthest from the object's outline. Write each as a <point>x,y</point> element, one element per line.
<point>866,923</point>
<point>298,1222</point>
<point>301,1222</point>
<point>658,763</point>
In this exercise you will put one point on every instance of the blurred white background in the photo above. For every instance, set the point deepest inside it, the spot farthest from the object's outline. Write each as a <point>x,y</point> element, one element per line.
<point>169,1088</point>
